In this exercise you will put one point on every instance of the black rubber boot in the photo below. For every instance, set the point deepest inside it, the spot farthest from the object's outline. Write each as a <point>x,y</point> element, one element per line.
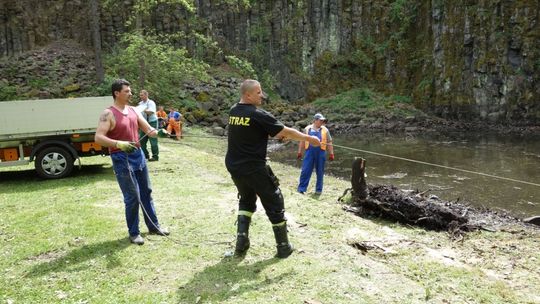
<point>284,248</point>
<point>242,236</point>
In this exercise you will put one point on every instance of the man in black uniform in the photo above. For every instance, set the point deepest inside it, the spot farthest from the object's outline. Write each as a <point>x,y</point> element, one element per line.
<point>249,128</point>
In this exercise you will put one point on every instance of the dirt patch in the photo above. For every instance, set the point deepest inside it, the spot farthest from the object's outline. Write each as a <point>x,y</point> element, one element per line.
<point>48,256</point>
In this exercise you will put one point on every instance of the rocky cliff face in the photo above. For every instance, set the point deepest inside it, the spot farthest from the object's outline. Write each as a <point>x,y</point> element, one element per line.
<point>468,59</point>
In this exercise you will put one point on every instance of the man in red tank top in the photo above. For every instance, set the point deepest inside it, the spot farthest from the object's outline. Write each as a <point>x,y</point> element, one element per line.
<point>118,129</point>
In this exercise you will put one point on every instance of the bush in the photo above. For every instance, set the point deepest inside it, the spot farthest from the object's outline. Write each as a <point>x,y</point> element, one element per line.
<point>102,89</point>
<point>7,92</point>
<point>152,60</point>
<point>347,102</point>
<point>361,101</point>
<point>244,67</point>
<point>199,114</point>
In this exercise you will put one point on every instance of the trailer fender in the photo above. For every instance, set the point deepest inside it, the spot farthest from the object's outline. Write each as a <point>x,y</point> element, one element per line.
<point>52,143</point>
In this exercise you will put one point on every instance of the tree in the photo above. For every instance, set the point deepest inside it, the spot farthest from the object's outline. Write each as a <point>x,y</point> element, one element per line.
<point>165,67</point>
<point>96,39</point>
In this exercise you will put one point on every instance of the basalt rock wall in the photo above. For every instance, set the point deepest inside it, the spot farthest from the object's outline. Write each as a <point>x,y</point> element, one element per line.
<point>464,59</point>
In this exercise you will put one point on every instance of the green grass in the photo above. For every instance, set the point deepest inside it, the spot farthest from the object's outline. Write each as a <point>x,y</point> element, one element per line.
<point>65,241</point>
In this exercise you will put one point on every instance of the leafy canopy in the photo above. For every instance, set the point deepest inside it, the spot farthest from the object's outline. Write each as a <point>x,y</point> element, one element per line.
<point>165,67</point>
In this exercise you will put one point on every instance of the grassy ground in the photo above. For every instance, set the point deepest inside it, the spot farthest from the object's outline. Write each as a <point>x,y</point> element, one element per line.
<point>66,241</point>
<point>363,102</point>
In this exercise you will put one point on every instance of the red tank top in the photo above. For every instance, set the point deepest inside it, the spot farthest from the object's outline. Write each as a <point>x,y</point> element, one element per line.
<point>126,127</point>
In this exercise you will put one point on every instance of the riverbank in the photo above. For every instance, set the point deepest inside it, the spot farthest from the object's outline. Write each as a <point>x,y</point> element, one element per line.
<point>72,247</point>
<point>362,110</point>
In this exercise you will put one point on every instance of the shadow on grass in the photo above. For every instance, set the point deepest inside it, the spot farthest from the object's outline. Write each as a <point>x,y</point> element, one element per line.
<point>74,260</point>
<point>227,279</point>
<point>11,181</point>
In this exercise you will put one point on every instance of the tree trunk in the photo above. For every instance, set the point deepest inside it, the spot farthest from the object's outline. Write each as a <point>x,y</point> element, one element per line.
<point>96,37</point>
<point>142,65</point>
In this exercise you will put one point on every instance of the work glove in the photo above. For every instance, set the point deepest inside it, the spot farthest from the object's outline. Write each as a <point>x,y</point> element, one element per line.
<point>125,146</point>
<point>331,157</point>
<point>299,155</point>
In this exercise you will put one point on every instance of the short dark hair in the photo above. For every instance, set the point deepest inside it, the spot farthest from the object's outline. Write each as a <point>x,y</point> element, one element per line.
<point>117,86</point>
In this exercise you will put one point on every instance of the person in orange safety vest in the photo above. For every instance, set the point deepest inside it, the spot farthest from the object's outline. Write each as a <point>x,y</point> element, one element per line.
<point>175,123</point>
<point>315,157</point>
<point>162,117</point>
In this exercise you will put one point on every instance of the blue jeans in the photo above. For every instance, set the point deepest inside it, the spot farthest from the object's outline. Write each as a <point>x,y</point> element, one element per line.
<point>132,176</point>
<point>315,157</point>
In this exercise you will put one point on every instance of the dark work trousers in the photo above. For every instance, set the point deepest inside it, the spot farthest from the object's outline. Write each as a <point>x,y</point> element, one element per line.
<point>261,183</point>
<point>153,142</point>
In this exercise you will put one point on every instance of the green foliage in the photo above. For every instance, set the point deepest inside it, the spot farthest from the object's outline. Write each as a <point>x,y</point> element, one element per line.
<point>268,81</point>
<point>403,13</point>
<point>244,67</point>
<point>259,31</point>
<point>236,5</point>
<point>334,73</point>
<point>347,102</point>
<point>360,58</point>
<point>7,91</point>
<point>401,99</point>
<point>163,66</point>
<point>10,70</point>
<point>186,104</point>
<point>203,97</point>
<point>363,101</point>
<point>38,83</point>
<point>199,114</point>
<point>206,48</point>
<point>146,6</point>
<point>104,88</point>
<point>425,84</point>
<point>143,8</point>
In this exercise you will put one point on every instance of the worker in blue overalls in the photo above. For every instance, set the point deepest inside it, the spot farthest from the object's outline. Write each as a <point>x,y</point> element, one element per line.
<point>315,157</point>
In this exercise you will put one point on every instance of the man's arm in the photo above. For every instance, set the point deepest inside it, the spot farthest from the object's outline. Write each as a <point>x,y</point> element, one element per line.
<point>301,147</point>
<point>150,107</point>
<point>330,145</point>
<point>293,134</point>
<point>104,125</point>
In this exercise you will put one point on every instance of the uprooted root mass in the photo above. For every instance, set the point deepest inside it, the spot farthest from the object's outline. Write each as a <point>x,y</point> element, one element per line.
<point>418,208</point>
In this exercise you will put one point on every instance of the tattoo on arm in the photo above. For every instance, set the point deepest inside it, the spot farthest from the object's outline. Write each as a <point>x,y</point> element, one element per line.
<point>104,117</point>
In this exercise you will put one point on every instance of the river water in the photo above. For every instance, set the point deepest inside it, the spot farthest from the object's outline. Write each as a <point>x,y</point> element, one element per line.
<point>514,157</point>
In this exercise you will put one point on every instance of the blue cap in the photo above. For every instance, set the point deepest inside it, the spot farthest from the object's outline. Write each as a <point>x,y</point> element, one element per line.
<point>318,116</point>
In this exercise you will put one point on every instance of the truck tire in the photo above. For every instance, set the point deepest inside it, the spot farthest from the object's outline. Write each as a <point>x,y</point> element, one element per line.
<point>54,162</point>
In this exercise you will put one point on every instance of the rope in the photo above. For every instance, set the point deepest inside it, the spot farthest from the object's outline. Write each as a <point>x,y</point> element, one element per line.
<point>403,159</point>
<point>437,165</point>
<point>158,228</point>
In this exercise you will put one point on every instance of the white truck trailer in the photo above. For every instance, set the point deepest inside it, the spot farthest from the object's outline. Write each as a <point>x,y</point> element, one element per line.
<point>53,133</point>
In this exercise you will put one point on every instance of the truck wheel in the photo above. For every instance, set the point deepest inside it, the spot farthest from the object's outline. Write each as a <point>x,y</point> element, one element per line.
<point>54,162</point>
